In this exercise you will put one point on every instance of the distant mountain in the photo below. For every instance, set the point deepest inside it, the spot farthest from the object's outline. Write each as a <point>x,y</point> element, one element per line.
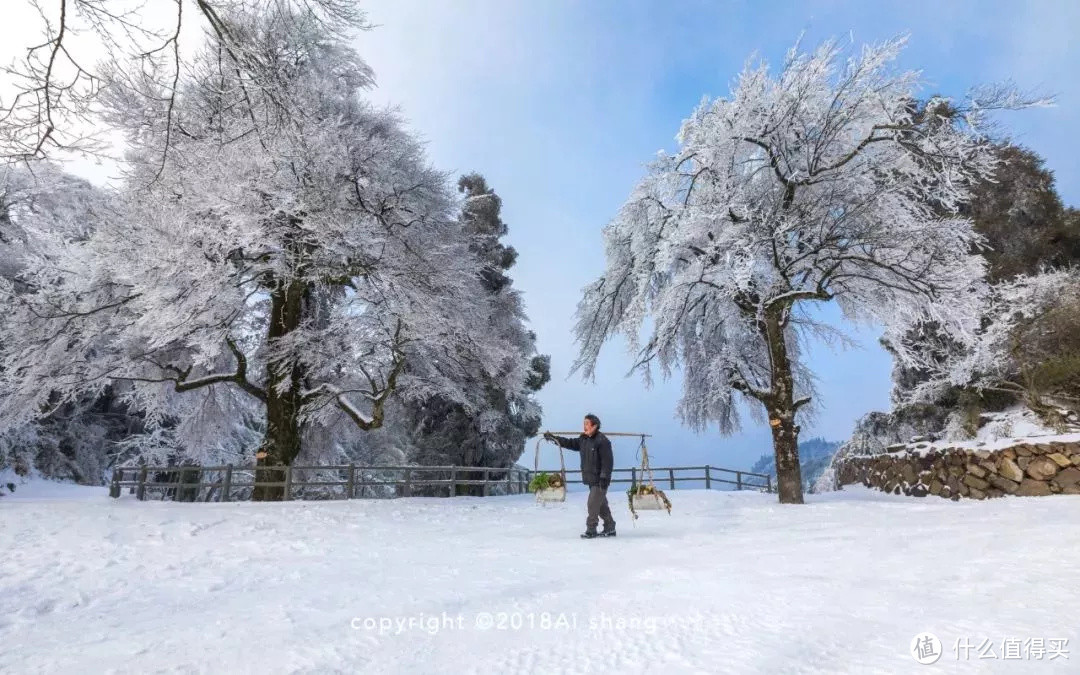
<point>814,457</point>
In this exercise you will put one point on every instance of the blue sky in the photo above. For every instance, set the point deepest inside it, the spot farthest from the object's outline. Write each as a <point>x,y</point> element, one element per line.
<point>559,104</point>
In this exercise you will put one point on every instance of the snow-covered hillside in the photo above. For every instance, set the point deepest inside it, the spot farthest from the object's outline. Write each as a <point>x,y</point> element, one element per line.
<point>728,583</point>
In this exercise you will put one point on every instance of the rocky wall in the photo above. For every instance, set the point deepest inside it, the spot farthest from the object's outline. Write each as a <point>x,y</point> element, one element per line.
<point>1025,469</point>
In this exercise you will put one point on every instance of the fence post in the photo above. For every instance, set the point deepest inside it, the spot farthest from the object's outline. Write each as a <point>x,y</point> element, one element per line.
<point>453,481</point>
<point>141,493</point>
<point>350,483</point>
<point>288,482</point>
<point>226,487</point>
<point>406,488</point>
<point>708,480</point>
<point>738,480</point>
<point>768,483</point>
<point>671,474</point>
<point>487,479</point>
<point>184,492</point>
<point>114,489</point>
<point>509,481</point>
<point>633,476</point>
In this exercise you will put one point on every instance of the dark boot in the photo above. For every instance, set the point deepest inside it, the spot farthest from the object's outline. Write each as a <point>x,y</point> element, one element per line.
<point>590,534</point>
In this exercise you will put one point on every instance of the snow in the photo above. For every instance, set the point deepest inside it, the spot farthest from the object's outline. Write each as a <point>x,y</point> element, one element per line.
<point>37,488</point>
<point>804,185</point>
<point>171,287</point>
<point>1016,423</point>
<point>729,582</point>
<point>1011,427</point>
<point>999,444</point>
<point>356,413</point>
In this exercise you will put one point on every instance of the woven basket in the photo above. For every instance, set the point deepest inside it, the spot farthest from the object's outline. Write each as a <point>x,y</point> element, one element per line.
<point>556,494</point>
<point>551,494</point>
<point>650,502</point>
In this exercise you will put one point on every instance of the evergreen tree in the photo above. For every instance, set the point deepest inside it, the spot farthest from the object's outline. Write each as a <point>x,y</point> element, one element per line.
<point>1018,210</point>
<point>443,431</point>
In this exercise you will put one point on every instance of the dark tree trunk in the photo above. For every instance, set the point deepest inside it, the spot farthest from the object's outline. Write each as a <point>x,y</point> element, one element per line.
<point>281,443</point>
<point>786,450</point>
<point>781,407</point>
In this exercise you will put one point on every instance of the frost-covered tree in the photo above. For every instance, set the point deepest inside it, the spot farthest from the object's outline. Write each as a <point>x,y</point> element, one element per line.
<point>441,430</point>
<point>825,182</point>
<point>48,96</point>
<point>1027,345</point>
<point>1027,231</point>
<point>40,205</point>
<point>288,255</point>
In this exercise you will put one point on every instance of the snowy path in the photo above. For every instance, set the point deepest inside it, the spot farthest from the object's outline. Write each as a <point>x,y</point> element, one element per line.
<point>730,582</point>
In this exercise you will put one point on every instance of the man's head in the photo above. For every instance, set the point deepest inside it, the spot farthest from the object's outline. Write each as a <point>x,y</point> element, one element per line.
<point>592,424</point>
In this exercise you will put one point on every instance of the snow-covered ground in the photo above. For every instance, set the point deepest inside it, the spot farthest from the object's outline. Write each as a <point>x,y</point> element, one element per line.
<point>728,583</point>
<point>999,430</point>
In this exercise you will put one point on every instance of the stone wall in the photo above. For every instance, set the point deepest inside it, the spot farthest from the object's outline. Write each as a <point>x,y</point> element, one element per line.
<point>1025,469</point>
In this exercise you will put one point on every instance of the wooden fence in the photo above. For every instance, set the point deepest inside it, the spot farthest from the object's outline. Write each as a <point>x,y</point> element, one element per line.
<point>229,483</point>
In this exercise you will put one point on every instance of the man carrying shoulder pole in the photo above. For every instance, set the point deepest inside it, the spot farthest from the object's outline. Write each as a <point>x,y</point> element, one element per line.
<point>597,462</point>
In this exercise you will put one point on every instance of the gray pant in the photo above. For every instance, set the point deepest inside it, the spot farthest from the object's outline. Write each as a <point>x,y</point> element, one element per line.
<point>598,508</point>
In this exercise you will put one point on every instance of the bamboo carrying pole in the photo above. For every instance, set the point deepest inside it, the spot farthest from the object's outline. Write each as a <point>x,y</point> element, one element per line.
<point>606,433</point>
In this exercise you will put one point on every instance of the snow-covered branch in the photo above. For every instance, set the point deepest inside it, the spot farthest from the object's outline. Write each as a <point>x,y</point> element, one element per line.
<point>56,86</point>
<point>827,181</point>
<point>258,274</point>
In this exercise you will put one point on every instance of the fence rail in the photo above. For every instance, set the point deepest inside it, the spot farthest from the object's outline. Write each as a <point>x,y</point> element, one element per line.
<point>351,481</point>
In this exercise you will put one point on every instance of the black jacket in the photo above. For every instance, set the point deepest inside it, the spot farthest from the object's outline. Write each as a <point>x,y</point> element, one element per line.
<point>596,456</point>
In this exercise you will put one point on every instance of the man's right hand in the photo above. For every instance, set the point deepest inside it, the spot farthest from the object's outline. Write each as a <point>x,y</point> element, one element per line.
<point>548,436</point>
